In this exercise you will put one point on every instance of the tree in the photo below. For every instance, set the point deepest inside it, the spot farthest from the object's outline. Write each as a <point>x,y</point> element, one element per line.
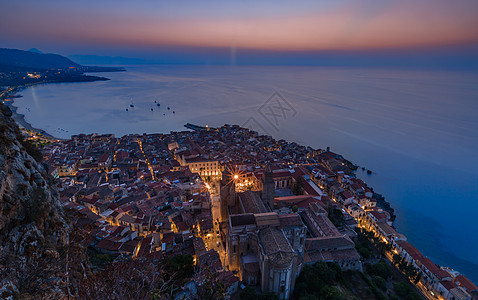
<point>268,296</point>
<point>127,279</point>
<point>317,282</point>
<point>380,269</point>
<point>397,258</point>
<point>180,267</point>
<point>336,216</point>
<point>211,288</point>
<point>379,282</point>
<point>298,187</point>
<point>248,294</point>
<point>417,278</point>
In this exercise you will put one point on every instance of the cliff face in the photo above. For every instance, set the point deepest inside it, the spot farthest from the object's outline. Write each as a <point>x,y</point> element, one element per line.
<point>33,230</point>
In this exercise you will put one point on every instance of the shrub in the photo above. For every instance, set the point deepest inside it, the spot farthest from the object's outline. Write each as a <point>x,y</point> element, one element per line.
<point>248,294</point>
<point>405,291</point>
<point>380,269</point>
<point>379,282</point>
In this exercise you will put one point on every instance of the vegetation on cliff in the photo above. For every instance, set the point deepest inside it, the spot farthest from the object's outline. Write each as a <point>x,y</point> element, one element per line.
<point>32,225</point>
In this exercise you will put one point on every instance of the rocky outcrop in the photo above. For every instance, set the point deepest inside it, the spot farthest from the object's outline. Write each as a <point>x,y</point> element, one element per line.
<point>33,230</point>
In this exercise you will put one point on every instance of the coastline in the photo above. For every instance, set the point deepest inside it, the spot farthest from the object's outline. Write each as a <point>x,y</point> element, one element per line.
<point>20,118</point>
<point>385,188</point>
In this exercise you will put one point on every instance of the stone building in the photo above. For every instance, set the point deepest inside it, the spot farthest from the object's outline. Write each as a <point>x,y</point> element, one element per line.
<point>266,248</point>
<point>268,189</point>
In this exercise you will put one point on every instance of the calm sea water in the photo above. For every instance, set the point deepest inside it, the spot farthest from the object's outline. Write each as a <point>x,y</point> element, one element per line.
<point>417,130</point>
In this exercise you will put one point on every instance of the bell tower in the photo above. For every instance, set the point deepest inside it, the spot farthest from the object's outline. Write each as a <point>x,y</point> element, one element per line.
<point>268,188</point>
<point>228,194</point>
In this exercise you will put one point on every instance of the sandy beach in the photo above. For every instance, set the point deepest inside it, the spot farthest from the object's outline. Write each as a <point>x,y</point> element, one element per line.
<point>20,118</point>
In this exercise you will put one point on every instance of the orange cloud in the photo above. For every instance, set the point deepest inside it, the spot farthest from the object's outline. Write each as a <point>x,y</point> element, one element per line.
<point>352,26</point>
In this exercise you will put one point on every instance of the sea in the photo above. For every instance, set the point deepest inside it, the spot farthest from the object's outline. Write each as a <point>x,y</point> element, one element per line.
<point>416,130</point>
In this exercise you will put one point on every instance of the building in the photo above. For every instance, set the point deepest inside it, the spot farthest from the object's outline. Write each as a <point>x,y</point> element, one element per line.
<point>326,243</point>
<point>197,163</point>
<point>264,247</point>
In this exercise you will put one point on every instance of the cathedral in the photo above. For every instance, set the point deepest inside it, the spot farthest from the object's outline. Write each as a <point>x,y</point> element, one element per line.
<point>264,247</point>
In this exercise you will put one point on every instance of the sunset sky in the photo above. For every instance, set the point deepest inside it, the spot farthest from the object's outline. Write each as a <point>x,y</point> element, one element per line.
<point>212,28</point>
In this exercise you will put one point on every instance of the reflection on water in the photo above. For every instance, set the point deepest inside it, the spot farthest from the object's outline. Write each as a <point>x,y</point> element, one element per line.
<point>416,130</point>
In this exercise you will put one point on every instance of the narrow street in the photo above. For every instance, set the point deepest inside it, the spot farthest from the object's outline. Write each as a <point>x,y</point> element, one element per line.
<point>146,159</point>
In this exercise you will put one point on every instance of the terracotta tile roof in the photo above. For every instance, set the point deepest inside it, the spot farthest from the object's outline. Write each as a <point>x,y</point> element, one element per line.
<point>129,246</point>
<point>330,256</point>
<point>105,244</point>
<point>267,219</point>
<point>243,219</point>
<point>251,202</point>
<point>448,284</point>
<point>290,220</point>
<point>410,249</point>
<point>328,243</point>
<point>463,281</point>
<point>276,247</point>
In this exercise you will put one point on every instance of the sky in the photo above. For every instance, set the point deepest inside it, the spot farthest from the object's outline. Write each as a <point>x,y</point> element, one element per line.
<point>245,31</point>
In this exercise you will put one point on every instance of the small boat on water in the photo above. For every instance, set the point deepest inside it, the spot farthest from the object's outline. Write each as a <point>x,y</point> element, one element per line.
<point>157,104</point>
<point>131,105</point>
<point>126,109</point>
<point>169,108</point>
<point>151,109</point>
<point>174,112</point>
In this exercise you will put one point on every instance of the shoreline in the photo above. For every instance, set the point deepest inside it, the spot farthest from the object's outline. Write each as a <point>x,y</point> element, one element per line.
<point>21,121</point>
<point>20,118</point>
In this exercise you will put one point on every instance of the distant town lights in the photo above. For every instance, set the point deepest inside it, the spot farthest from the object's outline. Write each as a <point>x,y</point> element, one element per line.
<point>236,176</point>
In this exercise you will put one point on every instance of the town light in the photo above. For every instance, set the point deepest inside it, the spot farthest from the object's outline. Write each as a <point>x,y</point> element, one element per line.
<point>236,176</point>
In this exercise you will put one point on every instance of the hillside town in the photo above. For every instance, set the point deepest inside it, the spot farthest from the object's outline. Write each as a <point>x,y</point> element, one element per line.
<point>251,210</point>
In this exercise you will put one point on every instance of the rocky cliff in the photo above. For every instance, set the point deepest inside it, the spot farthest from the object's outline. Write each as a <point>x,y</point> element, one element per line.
<point>33,230</point>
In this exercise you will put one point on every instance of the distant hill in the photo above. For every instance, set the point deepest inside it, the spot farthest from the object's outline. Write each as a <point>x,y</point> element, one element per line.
<point>35,50</point>
<point>14,60</point>
<point>27,60</point>
<point>107,60</point>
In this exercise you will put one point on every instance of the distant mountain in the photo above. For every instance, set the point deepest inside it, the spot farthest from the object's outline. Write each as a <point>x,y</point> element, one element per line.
<point>107,60</point>
<point>13,60</point>
<point>35,50</point>
<point>34,61</point>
